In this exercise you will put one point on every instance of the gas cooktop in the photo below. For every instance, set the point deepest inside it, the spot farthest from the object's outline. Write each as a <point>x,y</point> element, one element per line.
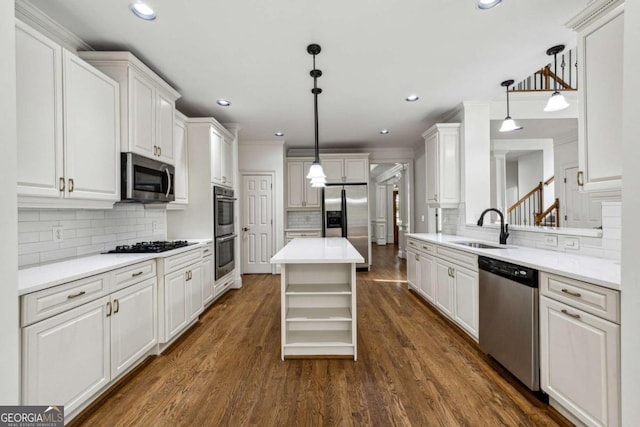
<point>149,247</point>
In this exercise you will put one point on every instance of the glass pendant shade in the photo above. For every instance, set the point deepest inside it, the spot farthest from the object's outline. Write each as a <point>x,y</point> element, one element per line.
<point>556,102</point>
<point>509,125</point>
<point>488,4</point>
<point>315,171</point>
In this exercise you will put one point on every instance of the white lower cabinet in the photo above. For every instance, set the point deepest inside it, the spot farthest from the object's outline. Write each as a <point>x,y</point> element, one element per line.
<point>66,357</point>
<point>72,355</point>
<point>181,295</point>
<point>207,278</point>
<point>446,278</point>
<point>579,353</point>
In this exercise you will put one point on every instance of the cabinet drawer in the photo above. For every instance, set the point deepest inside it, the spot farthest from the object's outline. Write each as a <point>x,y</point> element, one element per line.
<point>207,250</point>
<point>593,299</point>
<point>421,246</point>
<point>43,304</point>
<point>127,276</point>
<point>464,259</point>
<point>179,261</point>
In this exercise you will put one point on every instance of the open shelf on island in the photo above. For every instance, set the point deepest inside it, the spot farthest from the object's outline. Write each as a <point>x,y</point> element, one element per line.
<point>319,289</point>
<point>318,314</point>
<point>314,338</point>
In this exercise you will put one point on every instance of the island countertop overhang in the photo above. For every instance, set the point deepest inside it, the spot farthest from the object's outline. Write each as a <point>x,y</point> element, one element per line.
<point>320,250</point>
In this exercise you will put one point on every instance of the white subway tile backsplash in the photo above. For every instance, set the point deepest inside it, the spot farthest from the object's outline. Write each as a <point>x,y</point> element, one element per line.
<point>304,219</point>
<point>612,233</point>
<point>85,232</point>
<point>611,222</point>
<point>612,209</point>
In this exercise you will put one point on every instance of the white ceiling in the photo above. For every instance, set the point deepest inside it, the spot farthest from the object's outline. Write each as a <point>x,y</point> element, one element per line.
<point>374,54</point>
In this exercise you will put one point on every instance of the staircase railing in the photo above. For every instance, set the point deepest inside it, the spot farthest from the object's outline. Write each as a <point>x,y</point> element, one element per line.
<point>524,211</point>
<point>544,78</point>
<point>550,217</point>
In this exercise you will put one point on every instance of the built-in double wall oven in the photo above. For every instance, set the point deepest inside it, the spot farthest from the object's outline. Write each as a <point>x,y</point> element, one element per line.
<point>225,238</point>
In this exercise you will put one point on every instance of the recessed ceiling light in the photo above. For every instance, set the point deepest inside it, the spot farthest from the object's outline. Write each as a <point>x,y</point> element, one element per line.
<point>279,134</point>
<point>488,4</point>
<point>412,98</point>
<point>143,11</point>
<point>384,131</point>
<point>223,102</point>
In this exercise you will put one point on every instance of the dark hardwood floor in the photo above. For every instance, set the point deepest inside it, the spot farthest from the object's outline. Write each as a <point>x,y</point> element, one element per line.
<point>413,369</point>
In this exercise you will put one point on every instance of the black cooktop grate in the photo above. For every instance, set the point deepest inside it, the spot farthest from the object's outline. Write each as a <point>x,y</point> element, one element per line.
<point>149,247</point>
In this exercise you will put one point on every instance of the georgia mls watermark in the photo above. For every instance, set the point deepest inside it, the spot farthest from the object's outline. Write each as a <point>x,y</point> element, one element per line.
<point>32,416</point>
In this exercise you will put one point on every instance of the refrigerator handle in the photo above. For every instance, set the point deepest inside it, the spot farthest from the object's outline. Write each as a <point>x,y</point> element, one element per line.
<point>343,197</point>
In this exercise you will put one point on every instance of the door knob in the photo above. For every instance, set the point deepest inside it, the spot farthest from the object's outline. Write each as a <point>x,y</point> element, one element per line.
<point>245,229</point>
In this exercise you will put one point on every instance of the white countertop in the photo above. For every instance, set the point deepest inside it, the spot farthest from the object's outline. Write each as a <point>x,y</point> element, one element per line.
<point>33,279</point>
<point>603,272</point>
<point>318,250</point>
<point>302,229</point>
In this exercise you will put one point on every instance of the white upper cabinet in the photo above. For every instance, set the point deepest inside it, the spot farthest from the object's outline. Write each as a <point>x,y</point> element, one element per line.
<point>347,168</point>
<point>221,156</point>
<point>181,156</point>
<point>442,148</point>
<point>67,116</point>
<point>600,34</point>
<point>147,104</point>
<point>300,193</point>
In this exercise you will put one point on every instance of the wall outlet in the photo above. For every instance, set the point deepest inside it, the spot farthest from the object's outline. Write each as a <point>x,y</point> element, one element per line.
<point>58,233</point>
<point>571,243</point>
<point>154,226</point>
<point>551,240</point>
<point>422,218</point>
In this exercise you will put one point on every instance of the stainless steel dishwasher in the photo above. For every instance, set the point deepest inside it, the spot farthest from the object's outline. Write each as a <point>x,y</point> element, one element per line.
<point>508,324</point>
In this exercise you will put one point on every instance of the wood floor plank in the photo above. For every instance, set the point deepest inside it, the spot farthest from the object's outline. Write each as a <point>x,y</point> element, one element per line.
<point>414,368</point>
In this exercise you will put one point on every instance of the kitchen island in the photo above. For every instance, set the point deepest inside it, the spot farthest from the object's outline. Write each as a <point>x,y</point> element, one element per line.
<point>318,297</point>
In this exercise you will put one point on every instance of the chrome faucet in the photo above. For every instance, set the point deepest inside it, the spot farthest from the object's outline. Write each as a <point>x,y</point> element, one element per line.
<point>504,228</point>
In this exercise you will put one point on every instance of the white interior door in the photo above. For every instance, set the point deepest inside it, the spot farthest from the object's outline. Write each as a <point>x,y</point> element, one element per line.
<point>257,224</point>
<point>579,210</point>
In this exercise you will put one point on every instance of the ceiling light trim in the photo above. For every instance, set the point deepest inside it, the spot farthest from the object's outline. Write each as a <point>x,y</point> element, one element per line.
<point>143,11</point>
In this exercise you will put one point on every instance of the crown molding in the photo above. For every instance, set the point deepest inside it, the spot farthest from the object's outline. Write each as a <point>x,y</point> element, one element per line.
<point>35,18</point>
<point>591,12</point>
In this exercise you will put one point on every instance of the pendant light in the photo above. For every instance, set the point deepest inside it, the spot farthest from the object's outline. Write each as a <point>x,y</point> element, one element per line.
<point>316,174</point>
<point>557,101</point>
<point>508,125</point>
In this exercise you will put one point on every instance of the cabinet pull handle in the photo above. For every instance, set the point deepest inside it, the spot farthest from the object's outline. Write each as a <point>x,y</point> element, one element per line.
<point>116,305</point>
<point>417,258</point>
<point>435,197</point>
<point>425,248</point>
<point>580,178</point>
<point>72,296</point>
<point>71,185</point>
<point>155,150</point>
<point>136,274</point>
<point>109,308</point>
<point>206,251</point>
<point>62,186</point>
<point>159,151</point>
<point>573,294</point>
<point>575,316</point>
<point>186,276</point>
<point>453,272</point>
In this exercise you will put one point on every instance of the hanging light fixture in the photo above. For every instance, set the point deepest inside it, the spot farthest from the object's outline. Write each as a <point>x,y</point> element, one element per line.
<point>316,174</point>
<point>508,125</point>
<point>557,101</point>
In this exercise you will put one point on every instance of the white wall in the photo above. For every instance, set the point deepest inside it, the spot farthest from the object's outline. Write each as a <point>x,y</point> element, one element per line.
<point>630,208</point>
<point>9,326</point>
<point>512,182</point>
<point>530,170</point>
<point>265,157</point>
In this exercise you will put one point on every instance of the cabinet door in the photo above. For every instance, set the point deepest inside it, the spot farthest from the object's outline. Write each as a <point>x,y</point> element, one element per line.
<point>579,362</point>
<point>133,325</point>
<point>295,185</point>
<point>66,357</point>
<point>449,166</point>
<point>207,279</point>
<point>165,114</point>
<point>92,131</point>
<point>356,170</point>
<point>444,287</point>
<point>142,106</point>
<point>226,167</point>
<point>311,194</point>
<point>216,156</point>
<point>413,270</point>
<point>600,52</point>
<point>428,277</point>
<point>176,316</point>
<point>466,299</point>
<point>333,169</point>
<point>38,113</point>
<point>431,147</point>
<point>181,177</point>
<point>194,289</point>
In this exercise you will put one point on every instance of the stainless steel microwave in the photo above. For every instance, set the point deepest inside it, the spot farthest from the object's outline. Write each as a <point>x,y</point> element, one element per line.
<point>145,180</point>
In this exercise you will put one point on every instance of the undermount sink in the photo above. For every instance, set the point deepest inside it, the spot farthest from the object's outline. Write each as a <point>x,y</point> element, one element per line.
<point>480,245</point>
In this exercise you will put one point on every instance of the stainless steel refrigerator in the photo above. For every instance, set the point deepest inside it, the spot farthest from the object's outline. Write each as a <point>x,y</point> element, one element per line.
<point>346,214</point>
